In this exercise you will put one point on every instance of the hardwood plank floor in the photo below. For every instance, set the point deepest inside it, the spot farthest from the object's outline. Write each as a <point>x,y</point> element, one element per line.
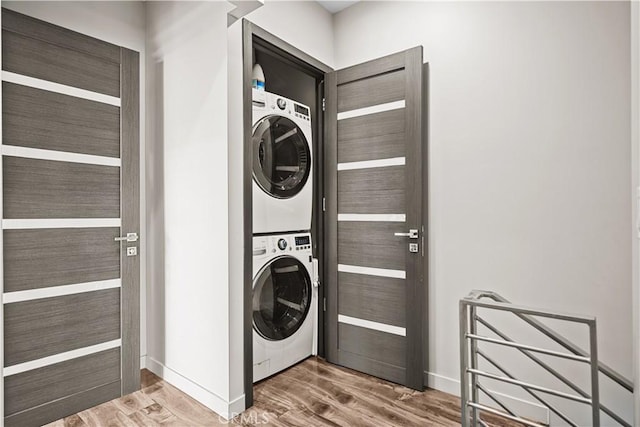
<point>312,393</point>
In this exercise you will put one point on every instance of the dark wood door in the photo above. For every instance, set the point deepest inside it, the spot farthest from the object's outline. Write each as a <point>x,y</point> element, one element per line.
<point>373,168</point>
<point>70,189</point>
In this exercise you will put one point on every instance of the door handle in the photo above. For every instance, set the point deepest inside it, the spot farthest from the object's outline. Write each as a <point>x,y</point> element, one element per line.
<point>412,234</point>
<point>130,237</point>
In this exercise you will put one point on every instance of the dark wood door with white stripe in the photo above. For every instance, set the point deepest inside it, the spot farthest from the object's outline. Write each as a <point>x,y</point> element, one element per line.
<point>374,227</point>
<point>70,190</point>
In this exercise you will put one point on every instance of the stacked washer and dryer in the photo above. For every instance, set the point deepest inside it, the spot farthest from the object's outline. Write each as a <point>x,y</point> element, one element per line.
<point>284,272</point>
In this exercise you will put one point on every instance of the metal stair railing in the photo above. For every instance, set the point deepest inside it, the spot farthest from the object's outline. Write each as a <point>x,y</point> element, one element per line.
<point>470,374</point>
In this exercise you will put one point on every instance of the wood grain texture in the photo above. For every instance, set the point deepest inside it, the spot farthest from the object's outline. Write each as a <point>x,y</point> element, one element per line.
<point>312,393</point>
<point>370,68</point>
<point>373,366</point>
<point>381,346</point>
<point>130,220</point>
<point>372,137</point>
<point>331,215</point>
<point>374,90</point>
<point>379,299</point>
<point>372,244</point>
<point>40,386</point>
<point>415,262</point>
<point>51,121</point>
<point>44,327</point>
<point>65,407</point>
<point>41,30</point>
<point>49,257</point>
<point>248,29</point>
<point>53,189</point>
<point>47,61</point>
<point>372,191</point>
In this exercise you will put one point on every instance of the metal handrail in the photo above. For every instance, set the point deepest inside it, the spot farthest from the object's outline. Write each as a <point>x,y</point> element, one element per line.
<point>469,352</point>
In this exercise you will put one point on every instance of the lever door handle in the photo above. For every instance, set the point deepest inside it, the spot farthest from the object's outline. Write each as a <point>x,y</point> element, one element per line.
<point>412,234</point>
<point>130,237</point>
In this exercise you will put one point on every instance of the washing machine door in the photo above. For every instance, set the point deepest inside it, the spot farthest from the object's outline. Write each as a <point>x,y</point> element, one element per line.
<point>281,157</point>
<point>281,298</point>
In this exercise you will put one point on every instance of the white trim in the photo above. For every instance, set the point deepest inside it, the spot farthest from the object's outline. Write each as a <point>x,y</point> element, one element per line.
<point>373,217</point>
<point>382,272</point>
<point>58,291</point>
<point>23,80</point>
<point>528,409</point>
<point>366,164</point>
<point>60,156</point>
<point>22,224</point>
<point>60,357</point>
<point>219,405</point>
<point>376,326</point>
<point>379,108</point>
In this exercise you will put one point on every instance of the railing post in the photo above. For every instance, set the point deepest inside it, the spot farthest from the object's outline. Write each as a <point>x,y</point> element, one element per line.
<point>473,329</point>
<point>464,363</point>
<point>595,388</point>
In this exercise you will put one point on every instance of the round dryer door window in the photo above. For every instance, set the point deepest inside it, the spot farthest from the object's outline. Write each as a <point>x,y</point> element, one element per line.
<point>281,157</point>
<point>281,298</point>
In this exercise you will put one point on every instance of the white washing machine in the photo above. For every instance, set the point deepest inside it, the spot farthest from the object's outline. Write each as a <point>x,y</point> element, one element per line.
<point>282,164</point>
<point>285,301</point>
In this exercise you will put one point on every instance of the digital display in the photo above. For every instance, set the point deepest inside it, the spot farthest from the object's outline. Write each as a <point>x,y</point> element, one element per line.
<point>301,110</point>
<point>302,240</point>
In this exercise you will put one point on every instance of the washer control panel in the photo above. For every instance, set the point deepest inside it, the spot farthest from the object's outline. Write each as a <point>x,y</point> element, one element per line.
<point>285,243</point>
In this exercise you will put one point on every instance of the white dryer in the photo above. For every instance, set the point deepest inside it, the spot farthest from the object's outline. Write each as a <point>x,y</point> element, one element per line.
<point>282,164</point>
<point>285,300</point>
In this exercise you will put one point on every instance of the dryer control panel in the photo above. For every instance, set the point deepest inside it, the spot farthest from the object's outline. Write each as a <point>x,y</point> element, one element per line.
<point>276,103</point>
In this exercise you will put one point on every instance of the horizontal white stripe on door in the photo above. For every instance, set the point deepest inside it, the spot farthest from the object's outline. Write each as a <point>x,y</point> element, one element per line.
<point>365,164</point>
<point>21,224</point>
<point>60,156</point>
<point>23,80</point>
<point>373,217</point>
<point>60,357</point>
<point>382,272</point>
<point>382,327</point>
<point>58,291</point>
<point>387,106</point>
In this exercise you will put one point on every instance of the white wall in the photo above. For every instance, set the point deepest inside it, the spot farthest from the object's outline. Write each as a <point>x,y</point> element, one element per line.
<point>195,219</point>
<point>121,23</point>
<point>303,24</point>
<point>189,286</point>
<point>635,143</point>
<point>529,157</point>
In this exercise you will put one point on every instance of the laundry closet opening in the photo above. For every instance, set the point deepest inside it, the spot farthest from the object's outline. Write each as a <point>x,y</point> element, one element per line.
<point>284,296</point>
<point>334,211</point>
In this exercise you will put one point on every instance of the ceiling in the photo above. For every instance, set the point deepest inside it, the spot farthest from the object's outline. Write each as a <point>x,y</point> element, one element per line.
<point>335,6</point>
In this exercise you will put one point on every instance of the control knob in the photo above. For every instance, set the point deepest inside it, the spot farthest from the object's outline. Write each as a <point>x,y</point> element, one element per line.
<point>282,244</point>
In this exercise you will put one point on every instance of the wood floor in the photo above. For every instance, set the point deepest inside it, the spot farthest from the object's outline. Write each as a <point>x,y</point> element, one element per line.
<point>312,393</point>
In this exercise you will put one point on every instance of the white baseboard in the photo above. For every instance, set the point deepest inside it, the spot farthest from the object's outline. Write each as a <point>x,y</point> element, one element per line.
<point>209,399</point>
<point>521,407</point>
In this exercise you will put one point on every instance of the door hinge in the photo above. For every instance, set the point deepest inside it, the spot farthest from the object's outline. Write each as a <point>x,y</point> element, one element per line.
<point>324,106</point>
<point>324,204</point>
<point>324,304</point>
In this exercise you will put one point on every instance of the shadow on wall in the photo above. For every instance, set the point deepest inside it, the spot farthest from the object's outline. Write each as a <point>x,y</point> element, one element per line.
<point>156,224</point>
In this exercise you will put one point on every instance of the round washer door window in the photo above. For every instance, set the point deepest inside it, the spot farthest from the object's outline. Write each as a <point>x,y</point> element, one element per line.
<point>281,298</point>
<point>281,157</point>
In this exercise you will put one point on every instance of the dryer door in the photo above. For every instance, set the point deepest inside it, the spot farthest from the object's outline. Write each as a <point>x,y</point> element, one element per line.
<point>281,298</point>
<point>281,157</point>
